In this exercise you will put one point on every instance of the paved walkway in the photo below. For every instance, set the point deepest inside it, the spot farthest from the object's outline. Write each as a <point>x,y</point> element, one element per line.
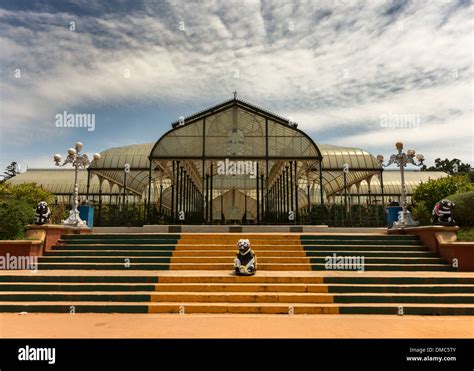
<point>232,326</point>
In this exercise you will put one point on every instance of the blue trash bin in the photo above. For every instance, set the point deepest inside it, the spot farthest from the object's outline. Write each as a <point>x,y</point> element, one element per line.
<point>392,214</point>
<point>86,213</point>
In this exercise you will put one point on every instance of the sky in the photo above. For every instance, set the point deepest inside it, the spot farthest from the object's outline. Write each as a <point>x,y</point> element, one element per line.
<point>351,73</point>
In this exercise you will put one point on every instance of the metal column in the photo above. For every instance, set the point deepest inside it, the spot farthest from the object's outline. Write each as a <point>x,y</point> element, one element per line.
<point>258,198</point>
<point>297,212</point>
<point>173,182</point>
<point>161,200</point>
<point>211,193</point>
<point>149,192</point>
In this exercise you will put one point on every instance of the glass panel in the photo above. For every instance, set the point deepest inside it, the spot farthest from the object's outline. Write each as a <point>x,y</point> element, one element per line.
<point>182,142</point>
<point>235,132</point>
<point>285,141</point>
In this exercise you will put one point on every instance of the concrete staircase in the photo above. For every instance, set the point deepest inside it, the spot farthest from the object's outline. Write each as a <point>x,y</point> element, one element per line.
<point>275,252</point>
<point>192,273</point>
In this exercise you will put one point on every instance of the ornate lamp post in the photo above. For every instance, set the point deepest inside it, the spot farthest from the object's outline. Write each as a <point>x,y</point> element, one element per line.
<point>77,160</point>
<point>401,159</point>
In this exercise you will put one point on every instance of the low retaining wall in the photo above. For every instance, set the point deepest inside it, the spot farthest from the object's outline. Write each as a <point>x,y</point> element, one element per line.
<point>442,241</point>
<point>40,239</point>
<point>51,233</point>
<point>21,248</point>
<point>462,251</point>
<point>20,254</point>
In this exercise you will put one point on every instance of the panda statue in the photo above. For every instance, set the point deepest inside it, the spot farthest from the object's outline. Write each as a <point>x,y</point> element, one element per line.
<point>42,214</point>
<point>443,213</point>
<point>245,264</point>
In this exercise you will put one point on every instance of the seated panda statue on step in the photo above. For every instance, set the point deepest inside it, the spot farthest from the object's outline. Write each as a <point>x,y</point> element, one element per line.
<point>42,213</point>
<point>245,263</point>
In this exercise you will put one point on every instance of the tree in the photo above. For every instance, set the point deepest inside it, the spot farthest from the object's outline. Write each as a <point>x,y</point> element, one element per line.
<point>30,193</point>
<point>452,167</point>
<point>17,207</point>
<point>434,190</point>
<point>10,171</point>
<point>14,216</point>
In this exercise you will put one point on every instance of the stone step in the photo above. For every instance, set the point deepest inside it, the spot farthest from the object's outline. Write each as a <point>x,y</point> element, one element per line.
<point>233,248</point>
<point>229,266</point>
<point>132,236</point>
<point>232,242</point>
<point>358,236</point>
<point>234,308</point>
<point>263,259</point>
<point>236,287</point>
<point>388,253</point>
<point>232,253</point>
<point>130,241</point>
<point>240,297</point>
<point>224,277</point>
<point>295,236</point>
<point>361,243</point>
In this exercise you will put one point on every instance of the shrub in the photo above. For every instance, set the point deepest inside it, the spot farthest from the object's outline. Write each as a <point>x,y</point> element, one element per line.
<point>421,213</point>
<point>319,214</point>
<point>432,191</point>
<point>360,215</point>
<point>14,216</point>
<point>59,212</point>
<point>466,234</point>
<point>463,209</point>
<point>337,213</point>
<point>377,214</point>
<point>17,207</point>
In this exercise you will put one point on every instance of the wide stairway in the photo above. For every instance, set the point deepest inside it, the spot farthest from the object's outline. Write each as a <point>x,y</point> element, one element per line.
<point>192,273</point>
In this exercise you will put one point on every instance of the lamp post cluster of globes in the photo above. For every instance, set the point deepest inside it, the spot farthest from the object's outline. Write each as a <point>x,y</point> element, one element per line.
<point>401,159</point>
<point>77,160</point>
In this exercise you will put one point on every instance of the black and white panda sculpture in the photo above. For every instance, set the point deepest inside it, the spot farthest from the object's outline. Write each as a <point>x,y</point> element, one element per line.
<point>42,214</point>
<point>245,263</point>
<point>443,213</point>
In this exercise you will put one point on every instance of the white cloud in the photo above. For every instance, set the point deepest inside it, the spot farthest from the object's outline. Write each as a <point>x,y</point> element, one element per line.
<point>340,67</point>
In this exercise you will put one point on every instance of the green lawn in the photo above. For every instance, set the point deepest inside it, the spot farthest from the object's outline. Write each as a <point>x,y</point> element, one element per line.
<point>466,234</point>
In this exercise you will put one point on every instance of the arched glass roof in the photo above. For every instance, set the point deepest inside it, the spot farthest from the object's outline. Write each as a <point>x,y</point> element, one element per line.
<point>360,165</point>
<point>336,157</point>
<point>136,155</point>
<point>112,163</point>
<point>392,184</point>
<point>235,129</point>
<point>58,181</point>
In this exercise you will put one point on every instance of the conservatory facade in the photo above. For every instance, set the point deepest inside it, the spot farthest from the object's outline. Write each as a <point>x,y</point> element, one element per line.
<point>232,163</point>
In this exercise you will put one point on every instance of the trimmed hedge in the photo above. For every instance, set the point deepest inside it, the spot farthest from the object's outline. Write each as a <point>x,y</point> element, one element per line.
<point>463,209</point>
